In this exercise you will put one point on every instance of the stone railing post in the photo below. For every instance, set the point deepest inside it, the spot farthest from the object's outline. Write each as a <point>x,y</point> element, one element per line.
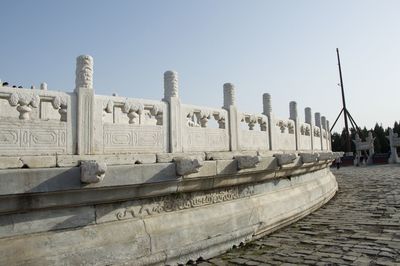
<point>308,120</point>
<point>293,116</point>
<point>267,107</point>
<point>323,125</point>
<point>328,134</point>
<point>85,104</point>
<point>318,125</point>
<point>171,96</point>
<point>230,106</point>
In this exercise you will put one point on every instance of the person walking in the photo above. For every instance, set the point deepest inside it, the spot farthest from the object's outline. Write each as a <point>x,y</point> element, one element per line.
<point>337,162</point>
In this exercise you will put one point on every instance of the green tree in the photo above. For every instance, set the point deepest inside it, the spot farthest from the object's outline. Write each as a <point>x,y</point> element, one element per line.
<point>336,142</point>
<point>381,143</point>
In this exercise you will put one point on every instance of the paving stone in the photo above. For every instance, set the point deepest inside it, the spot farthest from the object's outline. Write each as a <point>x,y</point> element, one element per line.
<point>359,226</point>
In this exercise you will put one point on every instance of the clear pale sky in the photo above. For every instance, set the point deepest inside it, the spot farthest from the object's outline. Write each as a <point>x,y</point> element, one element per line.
<point>286,48</point>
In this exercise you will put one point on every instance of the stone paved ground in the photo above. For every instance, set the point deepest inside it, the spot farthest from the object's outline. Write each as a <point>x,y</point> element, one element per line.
<point>359,226</point>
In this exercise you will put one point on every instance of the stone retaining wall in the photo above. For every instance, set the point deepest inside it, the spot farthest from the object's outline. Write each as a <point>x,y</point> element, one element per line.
<point>100,180</point>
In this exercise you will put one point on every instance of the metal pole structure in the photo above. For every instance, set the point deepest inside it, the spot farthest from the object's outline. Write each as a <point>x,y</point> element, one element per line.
<point>337,118</point>
<point>346,125</point>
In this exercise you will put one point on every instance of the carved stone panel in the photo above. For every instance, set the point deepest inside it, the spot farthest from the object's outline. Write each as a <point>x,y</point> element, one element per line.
<point>205,139</point>
<point>284,132</point>
<point>133,138</point>
<point>33,137</point>
<point>253,140</point>
<point>304,142</point>
<point>317,143</point>
<point>174,202</point>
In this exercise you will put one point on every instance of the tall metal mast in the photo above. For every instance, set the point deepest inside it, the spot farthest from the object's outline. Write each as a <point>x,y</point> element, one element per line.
<point>344,110</point>
<point>346,125</point>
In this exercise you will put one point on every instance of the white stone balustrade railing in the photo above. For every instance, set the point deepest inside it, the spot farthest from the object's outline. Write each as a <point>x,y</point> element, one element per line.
<point>197,133</point>
<point>44,122</point>
<point>36,122</point>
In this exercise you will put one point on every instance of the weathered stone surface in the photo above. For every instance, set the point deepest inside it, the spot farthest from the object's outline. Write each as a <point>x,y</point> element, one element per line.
<point>169,157</point>
<point>39,161</point>
<point>117,159</point>
<point>92,171</point>
<point>43,180</point>
<point>230,167</point>
<point>266,153</point>
<point>227,155</point>
<point>10,162</point>
<point>325,156</point>
<point>187,165</point>
<point>245,162</point>
<point>199,224</point>
<point>45,220</point>
<point>285,158</point>
<point>209,168</point>
<point>27,162</point>
<point>226,167</point>
<point>114,244</point>
<point>309,157</point>
<point>219,155</point>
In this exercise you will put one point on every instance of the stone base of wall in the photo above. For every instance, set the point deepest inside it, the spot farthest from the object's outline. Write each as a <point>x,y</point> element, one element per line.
<point>162,230</point>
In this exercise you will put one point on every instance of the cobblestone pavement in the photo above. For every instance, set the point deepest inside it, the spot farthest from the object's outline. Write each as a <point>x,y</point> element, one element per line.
<point>359,226</point>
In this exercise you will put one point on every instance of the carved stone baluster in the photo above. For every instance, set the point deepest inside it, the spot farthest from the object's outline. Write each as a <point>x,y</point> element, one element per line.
<point>204,116</point>
<point>263,123</point>
<point>220,120</point>
<point>251,121</point>
<point>157,112</point>
<point>24,102</point>
<point>133,111</point>
<point>60,104</point>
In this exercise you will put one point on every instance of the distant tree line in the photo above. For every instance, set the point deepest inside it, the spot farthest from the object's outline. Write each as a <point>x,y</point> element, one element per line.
<point>381,142</point>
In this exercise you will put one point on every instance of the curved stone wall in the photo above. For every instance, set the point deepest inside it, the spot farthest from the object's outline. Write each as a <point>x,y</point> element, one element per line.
<point>170,228</point>
<point>89,179</point>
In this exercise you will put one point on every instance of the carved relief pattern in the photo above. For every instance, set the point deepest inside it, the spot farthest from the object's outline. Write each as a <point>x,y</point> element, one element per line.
<point>253,140</point>
<point>108,106</point>
<point>157,112</point>
<point>84,72</point>
<point>282,126</point>
<point>211,139</point>
<point>125,138</point>
<point>61,104</point>
<point>200,118</point>
<point>24,101</point>
<point>305,130</point>
<point>286,124</point>
<point>177,202</point>
<point>220,120</point>
<point>252,120</point>
<point>136,111</point>
<point>44,137</point>
<point>290,126</point>
<point>317,132</point>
